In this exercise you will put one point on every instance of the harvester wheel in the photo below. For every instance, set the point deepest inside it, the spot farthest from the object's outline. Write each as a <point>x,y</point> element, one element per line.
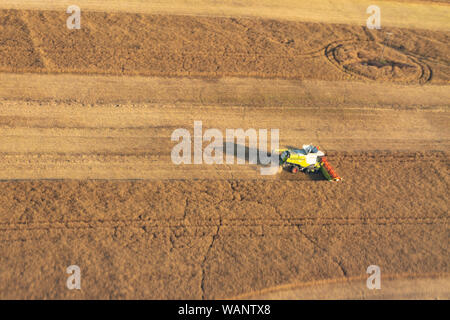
<point>294,169</point>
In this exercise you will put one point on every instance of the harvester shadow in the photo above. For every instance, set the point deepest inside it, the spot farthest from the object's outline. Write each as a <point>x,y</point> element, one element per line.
<point>250,155</point>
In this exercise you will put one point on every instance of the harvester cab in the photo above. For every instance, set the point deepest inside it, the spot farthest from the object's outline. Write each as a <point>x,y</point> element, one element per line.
<point>309,159</point>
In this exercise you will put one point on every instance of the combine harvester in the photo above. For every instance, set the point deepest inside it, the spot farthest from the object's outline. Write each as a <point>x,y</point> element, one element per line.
<point>309,159</point>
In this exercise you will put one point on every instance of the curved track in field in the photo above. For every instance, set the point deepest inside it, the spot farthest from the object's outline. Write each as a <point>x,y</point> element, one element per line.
<point>376,61</point>
<point>395,286</point>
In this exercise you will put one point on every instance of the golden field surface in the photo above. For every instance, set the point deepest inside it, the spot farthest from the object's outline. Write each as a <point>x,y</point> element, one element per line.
<point>422,14</point>
<point>86,176</point>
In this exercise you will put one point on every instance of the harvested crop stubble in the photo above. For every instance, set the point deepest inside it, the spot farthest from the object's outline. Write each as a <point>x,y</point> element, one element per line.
<point>119,43</point>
